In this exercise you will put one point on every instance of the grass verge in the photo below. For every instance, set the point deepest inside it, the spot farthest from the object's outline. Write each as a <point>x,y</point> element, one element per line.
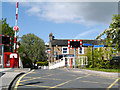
<point>104,70</point>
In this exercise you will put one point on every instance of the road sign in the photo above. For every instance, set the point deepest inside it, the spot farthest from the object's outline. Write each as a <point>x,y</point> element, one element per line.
<point>86,44</point>
<point>96,46</point>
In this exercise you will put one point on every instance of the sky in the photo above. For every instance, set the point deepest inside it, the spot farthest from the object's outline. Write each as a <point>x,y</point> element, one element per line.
<point>66,20</point>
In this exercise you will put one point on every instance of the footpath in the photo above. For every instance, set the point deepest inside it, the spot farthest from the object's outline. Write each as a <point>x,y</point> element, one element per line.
<point>8,75</point>
<point>94,73</point>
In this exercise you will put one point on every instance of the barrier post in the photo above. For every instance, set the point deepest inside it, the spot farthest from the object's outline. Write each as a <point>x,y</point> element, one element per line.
<point>3,56</point>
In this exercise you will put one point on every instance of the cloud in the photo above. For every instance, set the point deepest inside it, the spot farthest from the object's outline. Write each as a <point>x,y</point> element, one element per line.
<point>84,34</point>
<point>87,13</point>
<point>60,0</point>
<point>90,33</point>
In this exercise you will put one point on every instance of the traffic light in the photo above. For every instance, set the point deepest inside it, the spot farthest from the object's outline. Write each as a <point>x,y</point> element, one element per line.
<point>6,40</point>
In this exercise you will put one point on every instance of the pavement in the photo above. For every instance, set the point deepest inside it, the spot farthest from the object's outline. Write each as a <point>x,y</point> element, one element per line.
<point>96,73</point>
<point>8,75</point>
<point>64,78</point>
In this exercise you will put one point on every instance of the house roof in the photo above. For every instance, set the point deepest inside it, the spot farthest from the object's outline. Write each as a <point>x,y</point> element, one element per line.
<point>64,42</point>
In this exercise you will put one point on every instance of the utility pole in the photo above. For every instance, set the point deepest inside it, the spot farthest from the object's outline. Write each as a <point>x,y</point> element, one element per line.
<point>74,57</point>
<point>93,56</point>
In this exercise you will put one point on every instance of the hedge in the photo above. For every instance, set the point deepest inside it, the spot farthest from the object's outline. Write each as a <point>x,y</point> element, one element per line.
<point>45,63</point>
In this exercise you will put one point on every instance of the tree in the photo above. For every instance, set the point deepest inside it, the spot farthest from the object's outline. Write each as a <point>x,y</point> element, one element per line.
<point>113,32</point>
<point>33,47</point>
<point>7,30</point>
<point>89,55</point>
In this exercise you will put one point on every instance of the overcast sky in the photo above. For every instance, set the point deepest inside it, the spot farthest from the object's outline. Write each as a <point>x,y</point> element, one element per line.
<point>77,20</point>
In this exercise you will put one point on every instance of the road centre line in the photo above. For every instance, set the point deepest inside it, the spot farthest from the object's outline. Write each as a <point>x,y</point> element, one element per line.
<point>113,83</point>
<point>68,81</point>
<point>17,83</point>
<point>40,77</point>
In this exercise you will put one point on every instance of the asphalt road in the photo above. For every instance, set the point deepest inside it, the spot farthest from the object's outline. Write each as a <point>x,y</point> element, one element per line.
<point>1,73</point>
<point>61,79</point>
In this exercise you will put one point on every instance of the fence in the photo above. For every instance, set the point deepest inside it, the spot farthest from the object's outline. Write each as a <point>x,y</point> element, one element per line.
<point>82,61</point>
<point>0,61</point>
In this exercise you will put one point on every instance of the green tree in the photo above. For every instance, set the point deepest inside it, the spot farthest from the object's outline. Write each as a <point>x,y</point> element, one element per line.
<point>7,30</point>
<point>89,56</point>
<point>33,47</point>
<point>113,32</point>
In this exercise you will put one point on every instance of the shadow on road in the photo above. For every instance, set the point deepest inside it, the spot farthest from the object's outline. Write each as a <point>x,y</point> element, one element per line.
<point>30,83</point>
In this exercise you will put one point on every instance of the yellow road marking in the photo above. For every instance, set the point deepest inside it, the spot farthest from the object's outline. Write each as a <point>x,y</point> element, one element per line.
<point>35,86</point>
<point>113,83</point>
<point>27,77</point>
<point>16,86</point>
<point>61,84</point>
<point>34,78</point>
<point>97,82</point>
<point>68,81</point>
<point>67,69</point>
<point>40,77</point>
<point>34,72</point>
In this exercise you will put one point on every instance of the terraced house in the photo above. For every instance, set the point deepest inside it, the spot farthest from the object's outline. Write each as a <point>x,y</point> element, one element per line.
<point>59,48</point>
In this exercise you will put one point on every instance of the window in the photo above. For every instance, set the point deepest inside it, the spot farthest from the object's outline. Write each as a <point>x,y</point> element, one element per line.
<point>64,50</point>
<point>81,50</point>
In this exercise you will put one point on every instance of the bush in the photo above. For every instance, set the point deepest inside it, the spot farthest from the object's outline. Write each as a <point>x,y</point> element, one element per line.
<point>45,63</point>
<point>27,62</point>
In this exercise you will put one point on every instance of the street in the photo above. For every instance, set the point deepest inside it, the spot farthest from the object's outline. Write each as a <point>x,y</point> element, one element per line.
<point>64,79</point>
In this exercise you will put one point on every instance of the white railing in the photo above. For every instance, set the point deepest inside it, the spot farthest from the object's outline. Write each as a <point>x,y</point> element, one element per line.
<point>57,64</point>
<point>82,60</point>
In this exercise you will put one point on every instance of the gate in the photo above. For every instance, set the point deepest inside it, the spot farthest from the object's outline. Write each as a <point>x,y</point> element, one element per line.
<point>80,61</point>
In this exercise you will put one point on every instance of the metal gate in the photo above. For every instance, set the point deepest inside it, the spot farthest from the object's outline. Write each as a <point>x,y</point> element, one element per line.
<point>80,61</point>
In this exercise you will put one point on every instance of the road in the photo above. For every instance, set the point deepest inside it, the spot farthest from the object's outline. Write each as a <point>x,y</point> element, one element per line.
<point>64,79</point>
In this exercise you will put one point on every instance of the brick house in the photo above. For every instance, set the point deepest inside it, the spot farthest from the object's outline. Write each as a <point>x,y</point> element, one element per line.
<point>59,48</point>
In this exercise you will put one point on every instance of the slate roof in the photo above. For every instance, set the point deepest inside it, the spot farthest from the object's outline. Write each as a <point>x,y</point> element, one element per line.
<point>64,42</point>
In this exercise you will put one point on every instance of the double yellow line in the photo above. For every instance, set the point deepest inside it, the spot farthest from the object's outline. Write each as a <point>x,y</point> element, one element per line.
<point>16,86</point>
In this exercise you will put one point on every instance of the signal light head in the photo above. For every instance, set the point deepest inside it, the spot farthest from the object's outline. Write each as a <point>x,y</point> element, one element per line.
<point>16,28</point>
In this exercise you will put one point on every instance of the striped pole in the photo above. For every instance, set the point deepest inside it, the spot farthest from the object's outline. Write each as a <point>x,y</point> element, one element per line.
<point>16,14</point>
<point>16,28</point>
<point>17,42</point>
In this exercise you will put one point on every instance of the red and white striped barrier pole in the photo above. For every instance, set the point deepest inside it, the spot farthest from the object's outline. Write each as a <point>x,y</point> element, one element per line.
<point>17,42</point>
<point>16,28</point>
